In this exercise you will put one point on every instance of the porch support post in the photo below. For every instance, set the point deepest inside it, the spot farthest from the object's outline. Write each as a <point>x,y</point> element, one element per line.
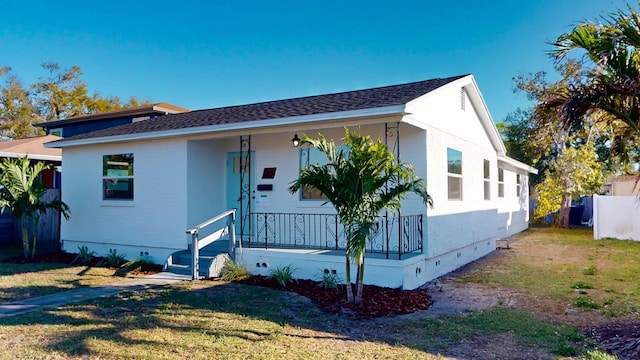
<point>245,188</point>
<point>195,255</point>
<point>232,235</point>
<point>392,135</point>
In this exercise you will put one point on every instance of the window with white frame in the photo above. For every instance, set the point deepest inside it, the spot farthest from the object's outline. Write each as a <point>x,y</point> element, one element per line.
<point>312,156</point>
<point>56,132</point>
<point>454,174</point>
<point>117,177</point>
<point>500,182</point>
<point>487,180</point>
<point>518,185</point>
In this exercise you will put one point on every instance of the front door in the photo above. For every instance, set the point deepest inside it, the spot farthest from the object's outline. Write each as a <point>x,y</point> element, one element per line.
<point>241,198</point>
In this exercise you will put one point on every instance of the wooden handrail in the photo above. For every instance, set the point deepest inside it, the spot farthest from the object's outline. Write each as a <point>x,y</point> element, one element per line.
<point>195,248</point>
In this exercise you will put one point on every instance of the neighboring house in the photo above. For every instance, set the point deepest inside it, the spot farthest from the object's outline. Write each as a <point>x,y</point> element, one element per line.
<point>623,185</point>
<point>617,215</point>
<point>34,149</point>
<point>138,187</point>
<point>87,123</point>
<point>49,227</point>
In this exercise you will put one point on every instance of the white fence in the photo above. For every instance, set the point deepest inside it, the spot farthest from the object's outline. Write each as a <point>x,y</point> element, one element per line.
<point>616,217</point>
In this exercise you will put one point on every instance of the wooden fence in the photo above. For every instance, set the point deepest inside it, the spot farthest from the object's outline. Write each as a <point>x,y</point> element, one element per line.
<point>48,229</point>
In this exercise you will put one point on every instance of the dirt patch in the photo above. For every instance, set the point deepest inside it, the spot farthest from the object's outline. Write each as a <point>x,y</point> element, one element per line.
<point>494,347</point>
<point>450,297</point>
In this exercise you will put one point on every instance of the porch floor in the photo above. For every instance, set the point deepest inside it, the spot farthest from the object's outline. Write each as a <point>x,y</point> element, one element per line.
<point>222,246</point>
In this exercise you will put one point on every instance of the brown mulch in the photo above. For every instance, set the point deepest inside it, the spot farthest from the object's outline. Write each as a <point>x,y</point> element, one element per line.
<point>377,301</point>
<point>68,259</point>
<point>621,338</point>
<point>59,257</point>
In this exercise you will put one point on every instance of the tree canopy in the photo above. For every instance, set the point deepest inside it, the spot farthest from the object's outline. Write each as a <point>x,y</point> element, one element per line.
<point>59,95</point>
<point>610,50</point>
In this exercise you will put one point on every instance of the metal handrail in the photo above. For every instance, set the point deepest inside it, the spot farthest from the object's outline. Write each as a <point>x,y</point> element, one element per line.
<point>195,246</point>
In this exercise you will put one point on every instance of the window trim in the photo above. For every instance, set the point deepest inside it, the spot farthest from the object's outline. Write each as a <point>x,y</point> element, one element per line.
<point>114,177</point>
<point>54,130</point>
<point>454,175</point>
<point>304,162</point>
<point>500,182</point>
<point>487,178</point>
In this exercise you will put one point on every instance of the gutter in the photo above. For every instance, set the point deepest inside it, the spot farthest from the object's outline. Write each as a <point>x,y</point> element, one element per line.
<point>517,164</point>
<point>31,156</point>
<point>254,124</point>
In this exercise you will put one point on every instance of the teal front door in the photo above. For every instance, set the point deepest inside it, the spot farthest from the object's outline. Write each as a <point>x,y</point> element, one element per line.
<point>241,189</point>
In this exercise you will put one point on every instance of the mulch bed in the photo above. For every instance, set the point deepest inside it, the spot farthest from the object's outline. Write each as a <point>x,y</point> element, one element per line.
<point>68,259</point>
<point>377,301</point>
<point>621,338</point>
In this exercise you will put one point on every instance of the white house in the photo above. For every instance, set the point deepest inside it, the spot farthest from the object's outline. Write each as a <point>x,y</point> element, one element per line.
<point>137,188</point>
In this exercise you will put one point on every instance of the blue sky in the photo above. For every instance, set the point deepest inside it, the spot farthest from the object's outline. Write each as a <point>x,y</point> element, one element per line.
<point>204,54</point>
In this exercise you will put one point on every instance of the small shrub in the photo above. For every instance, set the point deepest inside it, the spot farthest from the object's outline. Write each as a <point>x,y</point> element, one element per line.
<point>581,285</point>
<point>84,256</point>
<point>282,275</point>
<point>585,302</point>
<point>113,259</point>
<point>133,265</point>
<point>232,271</point>
<point>565,349</point>
<point>599,355</point>
<point>589,270</point>
<point>329,280</point>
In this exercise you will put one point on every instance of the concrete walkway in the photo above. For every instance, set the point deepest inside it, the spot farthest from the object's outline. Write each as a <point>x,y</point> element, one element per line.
<point>77,295</point>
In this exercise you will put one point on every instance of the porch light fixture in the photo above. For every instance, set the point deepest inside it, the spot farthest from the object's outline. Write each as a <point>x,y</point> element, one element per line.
<point>295,140</point>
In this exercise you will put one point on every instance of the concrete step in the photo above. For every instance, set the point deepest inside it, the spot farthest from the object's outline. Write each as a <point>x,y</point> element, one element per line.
<point>209,265</point>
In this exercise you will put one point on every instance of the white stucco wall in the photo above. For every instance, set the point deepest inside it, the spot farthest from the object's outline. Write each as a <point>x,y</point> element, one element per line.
<point>616,217</point>
<point>206,168</point>
<point>153,224</point>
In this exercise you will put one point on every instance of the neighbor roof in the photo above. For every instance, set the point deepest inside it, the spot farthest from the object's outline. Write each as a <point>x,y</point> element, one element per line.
<point>159,108</point>
<point>311,105</point>
<point>31,147</point>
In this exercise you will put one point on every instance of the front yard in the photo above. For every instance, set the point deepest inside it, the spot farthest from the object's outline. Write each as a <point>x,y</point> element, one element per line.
<point>549,276</point>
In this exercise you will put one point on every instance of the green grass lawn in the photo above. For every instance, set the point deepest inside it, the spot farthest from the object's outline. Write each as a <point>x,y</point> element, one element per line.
<point>21,281</point>
<point>570,267</point>
<point>212,319</point>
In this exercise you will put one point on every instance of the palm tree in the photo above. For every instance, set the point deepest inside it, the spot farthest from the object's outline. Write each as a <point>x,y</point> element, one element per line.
<point>360,183</point>
<point>22,195</point>
<point>613,82</point>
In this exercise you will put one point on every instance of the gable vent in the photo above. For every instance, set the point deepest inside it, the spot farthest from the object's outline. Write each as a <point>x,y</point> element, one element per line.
<point>463,98</point>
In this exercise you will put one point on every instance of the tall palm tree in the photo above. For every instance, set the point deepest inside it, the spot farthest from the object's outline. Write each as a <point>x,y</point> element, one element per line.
<point>360,183</point>
<point>613,83</point>
<point>22,195</point>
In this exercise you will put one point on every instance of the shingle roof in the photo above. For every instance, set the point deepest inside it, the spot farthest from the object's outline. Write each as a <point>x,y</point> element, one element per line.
<point>158,108</point>
<point>310,105</point>
<point>33,147</point>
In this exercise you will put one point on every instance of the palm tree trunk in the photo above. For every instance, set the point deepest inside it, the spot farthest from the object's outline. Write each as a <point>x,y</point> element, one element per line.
<point>360,281</point>
<point>348,281</point>
<point>35,236</point>
<point>25,237</point>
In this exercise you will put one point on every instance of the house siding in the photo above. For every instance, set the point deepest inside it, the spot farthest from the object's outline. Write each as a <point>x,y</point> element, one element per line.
<point>153,223</point>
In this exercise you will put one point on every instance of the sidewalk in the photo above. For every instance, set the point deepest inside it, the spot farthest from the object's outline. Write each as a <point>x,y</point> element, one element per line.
<point>77,295</point>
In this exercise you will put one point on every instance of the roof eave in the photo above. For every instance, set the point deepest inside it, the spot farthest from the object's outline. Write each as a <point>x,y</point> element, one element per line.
<point>517,164</point>
<point>31,156</point>
<point>266,123</point>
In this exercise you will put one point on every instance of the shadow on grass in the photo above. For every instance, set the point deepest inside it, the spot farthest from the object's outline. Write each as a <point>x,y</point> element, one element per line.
<point>175,319</point>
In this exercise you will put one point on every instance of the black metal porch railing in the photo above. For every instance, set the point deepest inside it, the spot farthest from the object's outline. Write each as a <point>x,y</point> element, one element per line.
<point>398,235</point>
